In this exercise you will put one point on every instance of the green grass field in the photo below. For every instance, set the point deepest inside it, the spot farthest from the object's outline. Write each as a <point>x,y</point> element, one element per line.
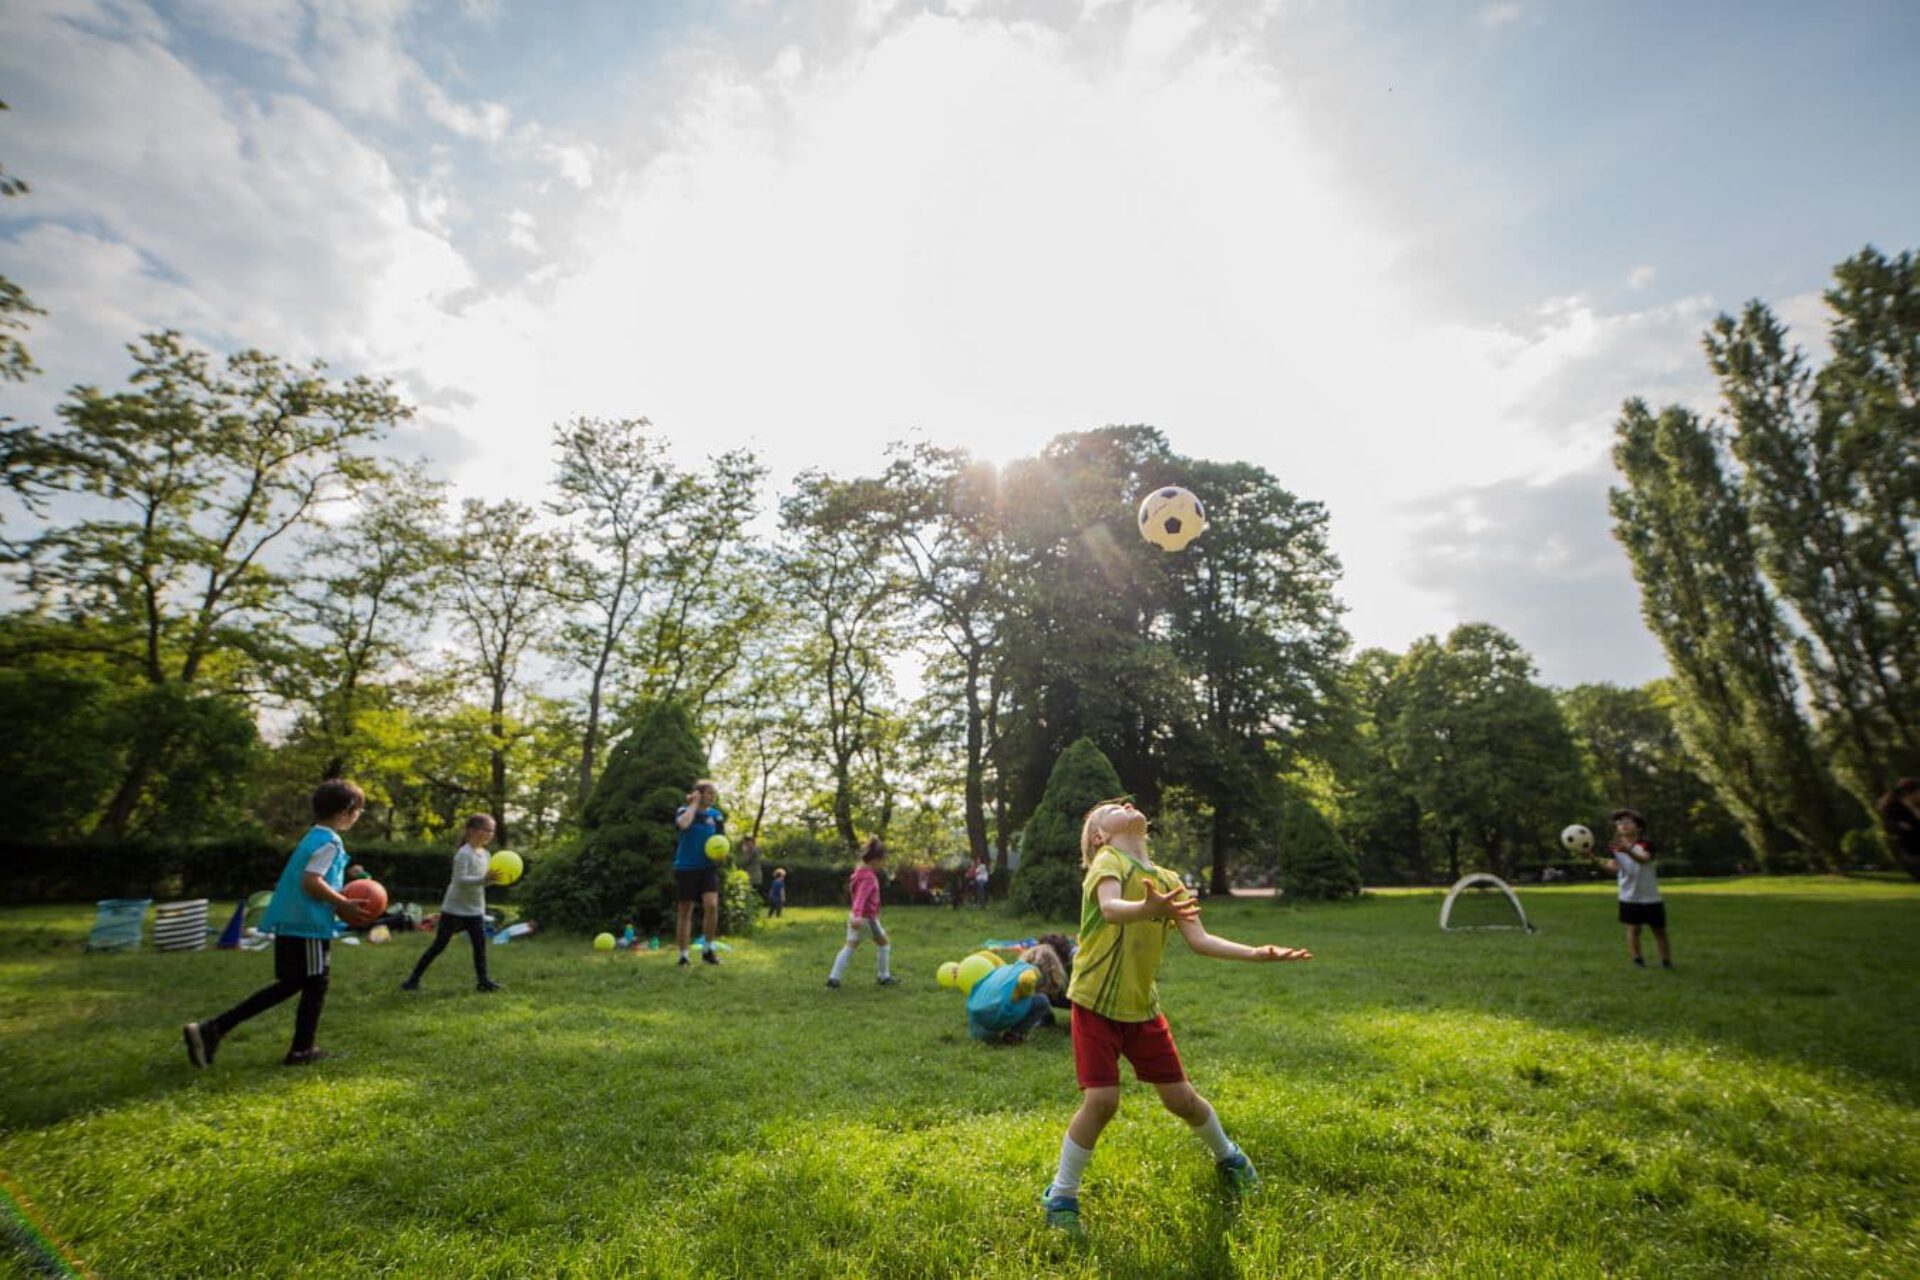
<point>1419,1103</point>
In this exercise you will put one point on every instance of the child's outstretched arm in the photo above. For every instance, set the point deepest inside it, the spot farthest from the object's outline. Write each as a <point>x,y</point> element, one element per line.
<point>1176,905</point>
<point>1206,944</point>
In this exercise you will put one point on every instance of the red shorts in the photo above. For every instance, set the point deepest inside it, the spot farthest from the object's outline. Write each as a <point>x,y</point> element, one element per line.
<point>1099,1043</point>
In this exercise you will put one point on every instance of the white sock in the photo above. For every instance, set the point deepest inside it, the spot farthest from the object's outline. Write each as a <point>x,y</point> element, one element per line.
<point>1215,1137</point>
<point>840,964</point>
<point>683,954</point>
<point>885,972</point>
<point>1073,1160</point>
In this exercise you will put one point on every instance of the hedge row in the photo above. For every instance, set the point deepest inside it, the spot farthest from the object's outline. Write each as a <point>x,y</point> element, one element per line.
<point>219,869</point>
<point>239,865</point>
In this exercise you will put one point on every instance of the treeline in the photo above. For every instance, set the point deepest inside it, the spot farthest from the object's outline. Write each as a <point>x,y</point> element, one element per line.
<point>225,588</point>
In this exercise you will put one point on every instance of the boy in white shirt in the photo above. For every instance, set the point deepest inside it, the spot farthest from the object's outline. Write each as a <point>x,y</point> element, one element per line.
<point>1640,903</point>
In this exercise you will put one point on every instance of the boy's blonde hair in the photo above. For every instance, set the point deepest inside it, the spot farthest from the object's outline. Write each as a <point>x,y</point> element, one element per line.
<point>1092,838</point>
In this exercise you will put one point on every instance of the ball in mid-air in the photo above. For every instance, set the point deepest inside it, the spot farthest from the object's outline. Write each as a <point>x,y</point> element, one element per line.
<point>370,894</point>
<point>1171,517</point>
<point>603,942</point>
<point>718,847</point>
<point>506,866</point>
<point>1577,839</point>
<point>949,975</point>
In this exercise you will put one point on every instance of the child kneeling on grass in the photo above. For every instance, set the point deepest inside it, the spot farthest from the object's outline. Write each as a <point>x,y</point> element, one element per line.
<point>300,918</point>
<point>1013,999</point>
<point>1128,906</point>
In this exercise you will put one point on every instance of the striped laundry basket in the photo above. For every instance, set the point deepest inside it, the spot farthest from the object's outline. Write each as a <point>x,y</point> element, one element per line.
<point>180,926</point>
<point>116,924</point>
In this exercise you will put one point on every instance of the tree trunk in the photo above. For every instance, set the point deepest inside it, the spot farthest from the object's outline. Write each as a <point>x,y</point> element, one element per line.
<point>972,789</point>
<point>590,739</point>
<point>133,784</point>
<point>1217,838</point>
<point>497,783</point>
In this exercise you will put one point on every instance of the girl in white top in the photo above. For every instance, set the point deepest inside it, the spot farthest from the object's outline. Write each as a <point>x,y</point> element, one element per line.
<point>464,908</point>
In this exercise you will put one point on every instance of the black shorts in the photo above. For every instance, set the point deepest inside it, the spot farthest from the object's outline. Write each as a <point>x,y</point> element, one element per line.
<point>1653,913</point>
<point>689,885</point>
<point>297,959</point>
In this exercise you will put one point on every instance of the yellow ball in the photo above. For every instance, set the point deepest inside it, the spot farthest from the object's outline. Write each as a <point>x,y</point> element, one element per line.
<point>379,933</point>
<point>718,847</point>
<point>949,975</point>
<point>991,959</point>
<point>506,866</point>
<point>972,969</point>
<point>604,942</point>
<point>1026,983</point>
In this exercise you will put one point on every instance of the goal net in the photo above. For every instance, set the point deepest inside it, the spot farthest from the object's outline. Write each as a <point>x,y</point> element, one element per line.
<point>1483,901</point>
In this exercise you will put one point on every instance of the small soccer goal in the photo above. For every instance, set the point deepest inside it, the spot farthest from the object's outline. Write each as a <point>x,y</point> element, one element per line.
<point>1483,901</point>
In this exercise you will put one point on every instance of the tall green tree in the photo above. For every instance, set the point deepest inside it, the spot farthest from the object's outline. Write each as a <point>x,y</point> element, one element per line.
<point>1083,646</point>
<point>1687,537</point>
<point>15,364</point>
<point>501,595</point>
<point>1255,626</point>
<point>941,509</point>
<point>1484,749</point>
<point>616,483</point>
<point>364,603</point>
<point>835,571</point>
<point>187,483</point>
<point>1379,815</point>
<point>1831,482</point>
<point>1633,756</point>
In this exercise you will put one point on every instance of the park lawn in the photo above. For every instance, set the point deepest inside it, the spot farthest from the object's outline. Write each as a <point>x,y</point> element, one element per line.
<point>1419,1103</point>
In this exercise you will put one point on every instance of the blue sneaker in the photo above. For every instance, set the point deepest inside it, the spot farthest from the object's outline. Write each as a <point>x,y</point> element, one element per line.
<point>1063,1214</point>
<point>1240,1174</point>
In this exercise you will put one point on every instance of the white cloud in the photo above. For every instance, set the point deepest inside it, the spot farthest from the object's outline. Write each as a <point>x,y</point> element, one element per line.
<point>1500,13</point>
<point>1641,276</point>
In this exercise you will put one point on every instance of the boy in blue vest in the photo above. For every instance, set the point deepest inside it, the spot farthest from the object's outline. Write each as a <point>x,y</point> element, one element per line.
<point>300,918</point>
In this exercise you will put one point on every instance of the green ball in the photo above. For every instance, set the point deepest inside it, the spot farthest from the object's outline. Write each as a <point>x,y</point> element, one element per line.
<point>603,943</point>
<point>949,975</point>
<point>506,866</point>
<point>718,847</point>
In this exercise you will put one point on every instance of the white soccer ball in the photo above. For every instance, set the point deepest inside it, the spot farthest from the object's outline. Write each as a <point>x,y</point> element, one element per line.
<point>1577,839</point>
<point>1171,517</point>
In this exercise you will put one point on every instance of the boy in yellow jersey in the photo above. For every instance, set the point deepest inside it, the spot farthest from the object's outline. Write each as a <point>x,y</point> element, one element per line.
<point>1127,907</point>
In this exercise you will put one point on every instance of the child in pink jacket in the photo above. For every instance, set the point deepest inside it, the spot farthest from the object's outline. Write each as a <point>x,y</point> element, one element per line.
<point>865,916</point>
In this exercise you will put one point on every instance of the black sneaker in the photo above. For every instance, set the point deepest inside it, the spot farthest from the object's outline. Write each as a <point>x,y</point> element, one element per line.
<point>888,981</point>
<point>306,1057</point>
<point>1666,964</point>
<point>684,962</point>
<point>834,983</point>
<point>409,985</point>
<point>202,1043</point>
<point>708,957</point>
<point>490,985</point>
<point>1640,962</point>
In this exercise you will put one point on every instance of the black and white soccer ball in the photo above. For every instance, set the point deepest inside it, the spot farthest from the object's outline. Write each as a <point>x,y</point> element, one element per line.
<point>1171,517</point>
<point>1577,839</point>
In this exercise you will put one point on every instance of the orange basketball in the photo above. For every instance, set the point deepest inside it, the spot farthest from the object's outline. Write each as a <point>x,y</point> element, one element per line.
<point>370,894</point>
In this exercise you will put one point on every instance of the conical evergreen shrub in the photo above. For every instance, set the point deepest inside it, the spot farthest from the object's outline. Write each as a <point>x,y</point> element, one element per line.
<point>622,867</point>
<point>1315,863</point>
<point>1048,882</point>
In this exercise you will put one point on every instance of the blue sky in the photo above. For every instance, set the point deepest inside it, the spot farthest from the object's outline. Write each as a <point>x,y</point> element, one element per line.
<point>1410,257</point>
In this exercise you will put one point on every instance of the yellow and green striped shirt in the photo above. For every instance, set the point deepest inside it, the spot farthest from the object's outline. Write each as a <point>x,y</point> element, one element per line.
<point>1114,967</point>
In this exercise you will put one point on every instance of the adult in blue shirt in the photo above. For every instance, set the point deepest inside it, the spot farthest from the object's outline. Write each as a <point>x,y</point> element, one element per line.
<point>695,877</point>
